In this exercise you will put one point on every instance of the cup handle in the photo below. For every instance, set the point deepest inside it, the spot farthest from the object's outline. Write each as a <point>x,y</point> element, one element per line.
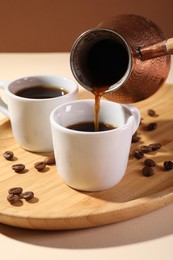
<point>136,113</point>
<point>3,98</point>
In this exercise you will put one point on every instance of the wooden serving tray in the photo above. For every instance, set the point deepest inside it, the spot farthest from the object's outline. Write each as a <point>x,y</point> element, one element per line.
<point>57,206</point>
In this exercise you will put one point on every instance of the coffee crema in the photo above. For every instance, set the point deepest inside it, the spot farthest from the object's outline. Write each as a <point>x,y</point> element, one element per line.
<point>90,127</point>
<point>41,92</point>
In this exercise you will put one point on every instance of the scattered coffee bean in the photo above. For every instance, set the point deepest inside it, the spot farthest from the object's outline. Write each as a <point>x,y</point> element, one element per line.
<point>151,112</point>
<point>40,166</point>
<point>151,126</point>
<point>19,168</point>
<point>8,155</point>
<point>140,123</point>
<point>49,160</point>
<point>15,194</point>
<point>155,146</point>
<point>12,198</point>
<point>168,165</point>
<point>28,195</point>
<point>138,154</point>
<point>149,163</point>
<point>145,148</point>
<point>147,171</point>
<point>15,191</point>
<point>135,138</point>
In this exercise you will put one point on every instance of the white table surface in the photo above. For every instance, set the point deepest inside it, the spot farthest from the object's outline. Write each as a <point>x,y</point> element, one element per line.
<point>147,237</point>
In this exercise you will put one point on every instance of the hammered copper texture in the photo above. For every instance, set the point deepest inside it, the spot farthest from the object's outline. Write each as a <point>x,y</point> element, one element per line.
<point>146,76</point>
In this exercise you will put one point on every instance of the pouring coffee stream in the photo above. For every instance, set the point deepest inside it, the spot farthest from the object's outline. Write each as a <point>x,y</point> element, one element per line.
<point>127,55</point>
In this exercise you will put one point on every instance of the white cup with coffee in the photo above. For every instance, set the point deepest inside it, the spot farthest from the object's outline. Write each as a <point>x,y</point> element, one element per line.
<point>28,102</point>
<point>88,160</point>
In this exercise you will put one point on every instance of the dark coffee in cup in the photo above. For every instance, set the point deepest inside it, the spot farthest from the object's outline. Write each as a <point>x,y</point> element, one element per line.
<point>90,126</point>
<point>41,92</point>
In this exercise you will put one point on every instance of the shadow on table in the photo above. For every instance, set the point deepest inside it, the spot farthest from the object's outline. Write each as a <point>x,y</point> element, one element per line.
<point>148,227</point>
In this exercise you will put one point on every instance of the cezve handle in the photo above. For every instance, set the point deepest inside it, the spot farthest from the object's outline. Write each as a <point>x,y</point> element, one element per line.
<point>169,45</point>
<point>156,50</point>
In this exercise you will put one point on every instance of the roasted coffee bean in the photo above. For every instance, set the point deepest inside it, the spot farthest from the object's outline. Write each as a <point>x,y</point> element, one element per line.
<point>138,154</point>
<point>135,138</point>
<point>168,165</point>
<point>15,191</point>
<point>149,163</point>
<point>147,171</point>
<point>19,168</point>
<point>40,166</point>
<point>8,155</point>
<point>145,148</point>
<point>152,126</point>
<point>12,198</point>
<point>151,112</point>
<point>49,160</point>
<point>28,195</point>
<point>155,146</point>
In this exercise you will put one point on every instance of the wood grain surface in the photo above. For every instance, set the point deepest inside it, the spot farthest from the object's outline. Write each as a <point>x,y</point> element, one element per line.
<point>57,206</point>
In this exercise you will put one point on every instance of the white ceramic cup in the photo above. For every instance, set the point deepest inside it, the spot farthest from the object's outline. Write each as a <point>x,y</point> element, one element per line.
<point>93,161</point>
<point>30,117</point>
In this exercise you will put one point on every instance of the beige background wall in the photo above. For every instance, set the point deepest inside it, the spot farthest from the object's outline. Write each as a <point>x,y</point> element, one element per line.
<point>53,25</point>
